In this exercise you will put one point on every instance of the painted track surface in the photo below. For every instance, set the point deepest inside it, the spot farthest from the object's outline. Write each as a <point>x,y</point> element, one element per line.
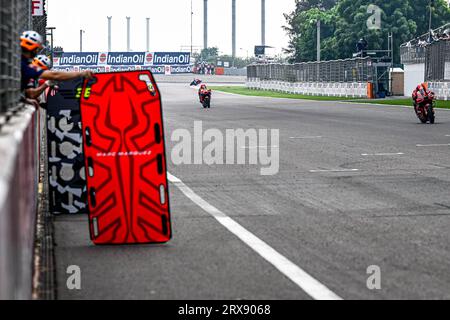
<point>333,223</point>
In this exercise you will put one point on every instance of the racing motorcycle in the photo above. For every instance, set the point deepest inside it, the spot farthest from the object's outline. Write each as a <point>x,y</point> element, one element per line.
<point>206,99</point>
<point>425,109</point>
<point>196,82</point>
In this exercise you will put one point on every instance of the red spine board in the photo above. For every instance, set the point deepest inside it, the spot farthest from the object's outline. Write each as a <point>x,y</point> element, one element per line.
<point>126,168</point>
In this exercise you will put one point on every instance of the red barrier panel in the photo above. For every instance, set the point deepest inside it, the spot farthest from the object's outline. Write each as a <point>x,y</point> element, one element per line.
<point>125,159</point>
<point>220,71</point>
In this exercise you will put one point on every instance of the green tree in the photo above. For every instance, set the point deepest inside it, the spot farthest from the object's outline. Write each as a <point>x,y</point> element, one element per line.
<point>301,28</point>
<point>305,5</point>
<point>302,31</point>
<point>421,15</point>
<point>347,22</point>
<point>209,55</point>
<point>352,25</point>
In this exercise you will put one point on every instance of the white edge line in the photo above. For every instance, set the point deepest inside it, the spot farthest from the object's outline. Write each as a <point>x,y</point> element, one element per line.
<point>306,137</point>
<point>433,145</point>
<point>385,105</point>
<point>308,284</point>
<point>382,154</point>
<point>334,170</point>
<point>260,147</point>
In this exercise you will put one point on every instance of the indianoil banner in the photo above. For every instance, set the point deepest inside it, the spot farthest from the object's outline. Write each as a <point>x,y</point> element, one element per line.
<point>153,69</point>
<point>123,59</point>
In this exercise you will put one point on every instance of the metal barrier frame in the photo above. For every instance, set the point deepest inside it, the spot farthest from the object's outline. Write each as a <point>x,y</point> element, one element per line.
<point>344,71</point>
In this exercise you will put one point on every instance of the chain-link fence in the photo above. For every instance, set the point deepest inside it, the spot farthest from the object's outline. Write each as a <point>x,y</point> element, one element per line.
<point>415,51</point>
<point>40,24</point>
<point>349,70</point>
<point>11,21</point>
<point>412,55</point>
<point>15,17</point>
<point>437,62</point>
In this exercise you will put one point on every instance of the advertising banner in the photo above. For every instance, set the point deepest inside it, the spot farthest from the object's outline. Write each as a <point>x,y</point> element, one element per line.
<point>171,58</point>
<point>123,59</point>
<point>79,59</point>
<point>154,69</point>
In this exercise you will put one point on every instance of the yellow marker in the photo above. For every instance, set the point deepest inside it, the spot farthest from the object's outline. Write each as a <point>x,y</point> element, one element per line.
<point>78,95</point>
<point>87,93</point>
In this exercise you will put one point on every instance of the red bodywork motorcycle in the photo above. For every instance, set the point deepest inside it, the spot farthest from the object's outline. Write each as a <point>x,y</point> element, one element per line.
<point>205,98</point>
<point>424,108</point>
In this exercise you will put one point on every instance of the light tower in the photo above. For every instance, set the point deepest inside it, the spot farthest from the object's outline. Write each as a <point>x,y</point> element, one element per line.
<point>128,34</point>
<point>205,24</point>
<point>148,34</point>
<point>233,31</point>
<point>109,34</point>
<point>263,22</point>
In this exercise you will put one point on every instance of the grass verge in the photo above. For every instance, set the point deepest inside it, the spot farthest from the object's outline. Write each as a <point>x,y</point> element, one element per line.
<point>273,94</point>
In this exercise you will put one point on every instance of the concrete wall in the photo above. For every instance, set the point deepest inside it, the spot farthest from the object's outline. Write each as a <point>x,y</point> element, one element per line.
<point>332,89</point>
<point>18,194</point>
<point>414,74</point>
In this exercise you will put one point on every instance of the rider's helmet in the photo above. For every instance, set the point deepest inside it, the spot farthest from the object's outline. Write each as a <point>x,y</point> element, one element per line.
<point>31,41</point>
<point>43,62</point>
<point>203,87</point>
<point>425,86</point>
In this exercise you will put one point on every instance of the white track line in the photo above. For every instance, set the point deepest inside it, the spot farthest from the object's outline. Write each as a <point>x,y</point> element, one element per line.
<point>260,147</point>
<point>306,137</point>
<point>385,105</point>
<point>311,286</point>
<point>433,145</point>
<point>334,170</point>
<point>382,154</point>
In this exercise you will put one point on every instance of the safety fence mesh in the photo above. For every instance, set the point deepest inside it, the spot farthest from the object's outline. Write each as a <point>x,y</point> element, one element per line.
<point>15,17</point>
<point>437,62</point>
<point>349,70</point>
<point>431,49</point>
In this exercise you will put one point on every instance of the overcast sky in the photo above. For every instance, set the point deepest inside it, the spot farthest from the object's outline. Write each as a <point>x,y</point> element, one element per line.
<point>170,24</point>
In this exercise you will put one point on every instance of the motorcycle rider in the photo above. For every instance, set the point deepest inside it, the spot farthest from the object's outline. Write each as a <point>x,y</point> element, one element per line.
<point>203,92</point>
<point>421,95</point>
<point>41,89</point>
<point>196,82</point>
<point>36,87</point>
<point>31,43</point>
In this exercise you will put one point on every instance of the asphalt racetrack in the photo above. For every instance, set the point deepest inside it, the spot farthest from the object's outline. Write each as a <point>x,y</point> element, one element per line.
<point>358,186</point>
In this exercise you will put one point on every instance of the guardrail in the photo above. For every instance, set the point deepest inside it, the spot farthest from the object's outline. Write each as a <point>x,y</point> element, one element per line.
<point>330,89</point>
<point>18,187</point>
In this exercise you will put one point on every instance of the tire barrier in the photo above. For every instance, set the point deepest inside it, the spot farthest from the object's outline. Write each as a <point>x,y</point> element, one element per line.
<point>331,89</point>
<point>67,181</point>
<point>18,204</point>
